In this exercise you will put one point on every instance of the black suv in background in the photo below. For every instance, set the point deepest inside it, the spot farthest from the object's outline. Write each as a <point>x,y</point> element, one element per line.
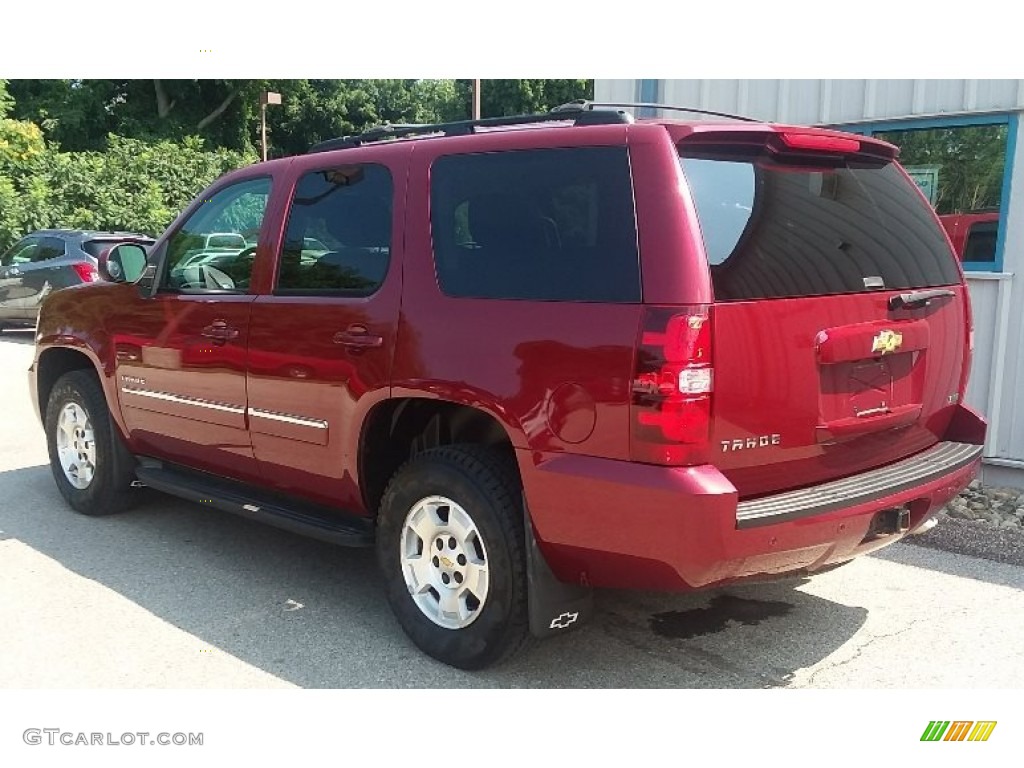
<point>48,260</point>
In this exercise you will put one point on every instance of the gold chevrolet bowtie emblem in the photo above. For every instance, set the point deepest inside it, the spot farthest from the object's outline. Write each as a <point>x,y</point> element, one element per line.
<point>887,341</point>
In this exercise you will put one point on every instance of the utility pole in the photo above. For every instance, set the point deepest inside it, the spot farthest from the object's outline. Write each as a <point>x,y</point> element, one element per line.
<point>266,97</point>
<point>476,99</point>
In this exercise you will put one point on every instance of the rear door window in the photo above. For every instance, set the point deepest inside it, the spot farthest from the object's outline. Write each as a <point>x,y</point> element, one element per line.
<point>338,239</point>
<point>546,225</point>
<point>773,230</point>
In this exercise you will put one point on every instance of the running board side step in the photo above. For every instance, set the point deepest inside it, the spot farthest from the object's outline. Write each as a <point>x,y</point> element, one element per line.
<point>295,516</point>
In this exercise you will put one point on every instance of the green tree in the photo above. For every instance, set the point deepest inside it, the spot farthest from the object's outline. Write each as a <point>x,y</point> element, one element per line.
<point>316,110</point>
<point>970,158</point>
<point>129,154</point>
<point>21,148</point>
<point>80,114</point>
<point>516,97</point>
<point>134,184</point>
<point>6,101</point>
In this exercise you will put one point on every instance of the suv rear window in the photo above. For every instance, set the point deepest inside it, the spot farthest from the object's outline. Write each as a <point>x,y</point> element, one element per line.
<point>96,247</point>
<point>546,224</point>
<point>777,230</point>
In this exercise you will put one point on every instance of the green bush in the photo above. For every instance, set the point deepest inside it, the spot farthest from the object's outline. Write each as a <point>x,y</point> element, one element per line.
<point>133,185</point>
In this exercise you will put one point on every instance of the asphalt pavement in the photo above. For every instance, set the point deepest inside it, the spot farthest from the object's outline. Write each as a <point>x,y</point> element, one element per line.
<point>174,595</point>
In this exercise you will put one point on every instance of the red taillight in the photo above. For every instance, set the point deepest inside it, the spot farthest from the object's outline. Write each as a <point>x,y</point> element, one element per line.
<point>819,142</point>
<point>86,271</point>
<point>672,385</point>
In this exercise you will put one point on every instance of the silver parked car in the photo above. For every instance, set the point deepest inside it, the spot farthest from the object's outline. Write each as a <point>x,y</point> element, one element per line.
<point>48,260</point>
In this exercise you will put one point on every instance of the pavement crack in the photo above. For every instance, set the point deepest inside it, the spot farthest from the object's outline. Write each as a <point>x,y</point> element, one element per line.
<point>859,650</point>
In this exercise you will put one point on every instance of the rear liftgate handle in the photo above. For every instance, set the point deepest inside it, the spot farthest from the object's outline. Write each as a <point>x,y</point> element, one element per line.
<point>918,299</point>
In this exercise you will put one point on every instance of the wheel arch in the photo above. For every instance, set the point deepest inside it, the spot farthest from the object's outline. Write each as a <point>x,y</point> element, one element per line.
<point>396,429</point>
<point>55,362</point>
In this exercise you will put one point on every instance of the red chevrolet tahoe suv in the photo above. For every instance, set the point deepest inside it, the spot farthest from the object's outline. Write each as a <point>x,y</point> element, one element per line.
<point>526,357</point>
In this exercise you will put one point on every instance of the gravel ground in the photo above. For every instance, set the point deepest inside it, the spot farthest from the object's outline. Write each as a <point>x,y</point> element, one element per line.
<point>1003,507</point>
<point>986,522</point>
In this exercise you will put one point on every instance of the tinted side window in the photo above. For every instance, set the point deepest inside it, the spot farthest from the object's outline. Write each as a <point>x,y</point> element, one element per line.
<point>234,213</point>
<point>96,247</point>
<point>549,225</point>
<point>49,248</point>
<point>339,232</point>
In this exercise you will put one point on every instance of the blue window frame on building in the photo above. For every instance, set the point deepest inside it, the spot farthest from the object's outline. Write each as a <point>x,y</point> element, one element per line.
<point>647,93</point>
<point>1008,120</point>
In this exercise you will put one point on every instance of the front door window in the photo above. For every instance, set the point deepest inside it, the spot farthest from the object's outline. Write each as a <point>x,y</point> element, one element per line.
<point>213,251</point>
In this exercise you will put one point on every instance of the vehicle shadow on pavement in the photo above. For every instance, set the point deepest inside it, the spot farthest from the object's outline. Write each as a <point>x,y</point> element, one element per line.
<point>955,562</point>
<point>314,615</point>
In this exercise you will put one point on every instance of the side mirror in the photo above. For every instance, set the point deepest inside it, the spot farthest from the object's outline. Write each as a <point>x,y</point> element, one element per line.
<point>123,263</point>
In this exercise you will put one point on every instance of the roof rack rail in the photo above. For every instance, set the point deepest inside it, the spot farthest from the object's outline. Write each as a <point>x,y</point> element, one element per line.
<point>584,104</point>
<point>579,115</point>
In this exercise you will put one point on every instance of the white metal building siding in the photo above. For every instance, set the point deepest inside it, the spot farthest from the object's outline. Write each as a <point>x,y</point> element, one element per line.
<point>997,382</point>
<point>830,101</point>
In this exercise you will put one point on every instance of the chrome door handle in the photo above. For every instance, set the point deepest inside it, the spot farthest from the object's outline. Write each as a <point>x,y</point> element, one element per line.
<point>358,337</point>
<point>220,331</point>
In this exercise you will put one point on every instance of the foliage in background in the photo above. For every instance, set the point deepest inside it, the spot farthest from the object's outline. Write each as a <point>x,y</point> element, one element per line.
<point>516,97</point>
<point>133,185</point>
<point>129,154</point>
<point>970,161</point>
<point>80,114</point>
<point>6,102</point>
<point>21,149</point>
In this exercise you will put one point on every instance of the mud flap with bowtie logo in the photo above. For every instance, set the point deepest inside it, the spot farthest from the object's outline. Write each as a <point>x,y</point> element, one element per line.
<point>555,607</point>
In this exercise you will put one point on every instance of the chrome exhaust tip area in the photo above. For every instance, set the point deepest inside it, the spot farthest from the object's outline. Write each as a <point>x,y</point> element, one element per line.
<point>926,526</point>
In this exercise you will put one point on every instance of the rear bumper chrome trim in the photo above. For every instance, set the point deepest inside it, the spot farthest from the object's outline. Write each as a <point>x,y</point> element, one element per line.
<point>875,484</point>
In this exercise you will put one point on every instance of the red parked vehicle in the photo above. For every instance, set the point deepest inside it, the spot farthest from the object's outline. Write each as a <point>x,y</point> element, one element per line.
<point>526,357</point>
<point>974,235</point>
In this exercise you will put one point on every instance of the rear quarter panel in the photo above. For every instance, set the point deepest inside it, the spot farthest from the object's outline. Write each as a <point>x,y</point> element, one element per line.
<point>555,374</point>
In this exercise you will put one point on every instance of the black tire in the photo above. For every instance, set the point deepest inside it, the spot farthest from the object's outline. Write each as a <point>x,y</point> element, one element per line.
<point>487,487</point>
<point>109,491</point>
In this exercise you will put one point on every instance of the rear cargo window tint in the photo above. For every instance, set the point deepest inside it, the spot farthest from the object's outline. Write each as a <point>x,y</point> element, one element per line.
<point>96,247</point>
<point>775,231</point>
<point>547,225</point>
